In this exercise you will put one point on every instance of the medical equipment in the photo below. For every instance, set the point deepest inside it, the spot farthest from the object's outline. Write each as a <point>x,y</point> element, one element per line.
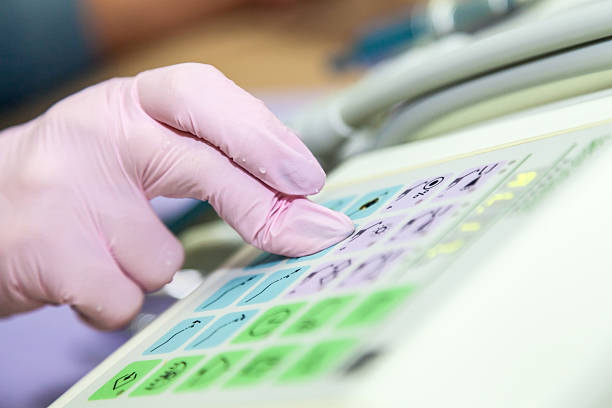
<point>400,96</point>
<point>478,273</point>
<point>424,23</point>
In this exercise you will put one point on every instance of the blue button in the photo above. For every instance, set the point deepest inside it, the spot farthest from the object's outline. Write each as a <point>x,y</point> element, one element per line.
<point>273,286</point>
<point>221,330</point>
<point>228,293</point>
<point>178,335</point>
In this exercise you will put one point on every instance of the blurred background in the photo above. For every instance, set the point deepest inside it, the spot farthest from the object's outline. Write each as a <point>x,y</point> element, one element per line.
<point>288,53</point>
<point>52,49</point>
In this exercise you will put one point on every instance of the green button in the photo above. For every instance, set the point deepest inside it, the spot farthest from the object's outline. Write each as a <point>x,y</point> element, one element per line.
<point>167,375</point>
<point>318,359</point>
<point>376,307</point>
<point>271,320</point>
<point>124,379</point>
<point>319,315</point>
<point>212,370</point>
<point>261,365</point>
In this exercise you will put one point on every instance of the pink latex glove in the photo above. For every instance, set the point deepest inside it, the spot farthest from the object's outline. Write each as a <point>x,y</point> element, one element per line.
<point>76,226</point>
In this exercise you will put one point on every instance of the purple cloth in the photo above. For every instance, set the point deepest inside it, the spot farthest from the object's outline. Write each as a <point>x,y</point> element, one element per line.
<point>44,352</point>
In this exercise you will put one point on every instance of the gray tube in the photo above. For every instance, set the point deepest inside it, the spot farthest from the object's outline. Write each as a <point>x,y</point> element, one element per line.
<point>589,59</point>
<point>391,85</point>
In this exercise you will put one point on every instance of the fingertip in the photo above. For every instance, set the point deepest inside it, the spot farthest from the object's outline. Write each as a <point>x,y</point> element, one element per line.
<point>297,177</point>
<point>294,141</point>
<point>277,157</point>
<point>303,228</point>
<point>303,172</point>
<point>327,227</point>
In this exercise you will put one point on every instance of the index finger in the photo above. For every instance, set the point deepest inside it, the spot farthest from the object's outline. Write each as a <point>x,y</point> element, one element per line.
<point>199,99</point>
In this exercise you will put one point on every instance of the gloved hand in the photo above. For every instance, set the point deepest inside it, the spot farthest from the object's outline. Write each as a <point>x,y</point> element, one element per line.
<point>76,226</point>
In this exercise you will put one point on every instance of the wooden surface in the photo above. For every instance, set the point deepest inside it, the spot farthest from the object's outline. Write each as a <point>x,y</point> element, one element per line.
<point>260,48</point>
